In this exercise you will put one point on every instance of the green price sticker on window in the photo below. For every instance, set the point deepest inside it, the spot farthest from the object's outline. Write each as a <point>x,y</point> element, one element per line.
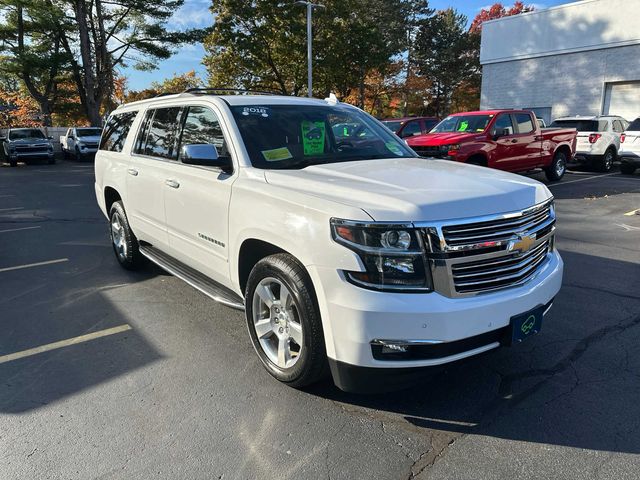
<point>313,134</point>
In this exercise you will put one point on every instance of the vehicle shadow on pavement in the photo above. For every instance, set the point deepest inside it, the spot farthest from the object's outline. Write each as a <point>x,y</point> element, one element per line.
<point>576,384</point>
<point>65,312</point>
<point>596,187</point>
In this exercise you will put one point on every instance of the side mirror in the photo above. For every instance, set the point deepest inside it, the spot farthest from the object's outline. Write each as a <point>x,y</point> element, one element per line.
<point>505,132</point>
<point>50,137</point>
<point>3,139</point>
<point>205,155</point>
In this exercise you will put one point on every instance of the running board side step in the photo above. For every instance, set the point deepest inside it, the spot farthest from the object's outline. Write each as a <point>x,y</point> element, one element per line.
<point>194,278</point>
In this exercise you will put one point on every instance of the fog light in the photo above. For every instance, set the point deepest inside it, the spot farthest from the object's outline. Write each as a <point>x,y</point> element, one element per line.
<point>394,348</point>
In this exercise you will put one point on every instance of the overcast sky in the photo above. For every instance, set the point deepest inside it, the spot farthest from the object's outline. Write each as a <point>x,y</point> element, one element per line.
<point>195,13</point>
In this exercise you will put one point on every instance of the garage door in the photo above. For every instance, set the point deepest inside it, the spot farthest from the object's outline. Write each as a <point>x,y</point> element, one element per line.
<point>622,99</point>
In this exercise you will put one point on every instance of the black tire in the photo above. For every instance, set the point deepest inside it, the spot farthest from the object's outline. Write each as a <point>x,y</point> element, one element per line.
<point>77,155</point>
<point>627,168</point>
<point>128,255</point>
<point>13,163</point>
<point>311,365</point>
<point>558,167</point>
<point>606,162</point>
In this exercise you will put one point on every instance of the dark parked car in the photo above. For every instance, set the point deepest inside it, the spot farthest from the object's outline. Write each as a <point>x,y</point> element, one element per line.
<point>410,126</point>
<point>27,144</point>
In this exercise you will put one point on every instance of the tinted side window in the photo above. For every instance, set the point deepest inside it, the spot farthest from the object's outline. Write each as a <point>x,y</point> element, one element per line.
<point>142,132</point>
<point>617,126</point>
<point>525,125</point>
<point>429,124</point>
<point>116,130</point>
<point>201,126</point>
<point>503,122</point>
<point>161,139</point>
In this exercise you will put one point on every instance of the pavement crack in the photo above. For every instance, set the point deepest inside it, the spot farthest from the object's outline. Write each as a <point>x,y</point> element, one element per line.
<point>601,290</point>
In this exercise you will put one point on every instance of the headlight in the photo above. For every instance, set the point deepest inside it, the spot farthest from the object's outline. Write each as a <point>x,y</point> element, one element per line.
<point>391,254</point>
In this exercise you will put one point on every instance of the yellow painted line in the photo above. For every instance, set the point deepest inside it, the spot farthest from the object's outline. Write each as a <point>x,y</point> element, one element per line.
<point>64,343</point>
<point>633,212</point>
<point>17,229</point>
<point>29,265</point>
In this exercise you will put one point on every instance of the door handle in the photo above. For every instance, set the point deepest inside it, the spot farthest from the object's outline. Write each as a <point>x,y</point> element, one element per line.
<point>514,140</point>
<point>171,183</point>
<point>539,138</point>
<point>132,171</point>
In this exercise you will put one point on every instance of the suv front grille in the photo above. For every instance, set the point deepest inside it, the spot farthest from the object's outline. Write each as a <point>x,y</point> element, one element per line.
<point>493,274</point>
<point>429,152</point>
<point>480,255</point>
<point>496,230</point>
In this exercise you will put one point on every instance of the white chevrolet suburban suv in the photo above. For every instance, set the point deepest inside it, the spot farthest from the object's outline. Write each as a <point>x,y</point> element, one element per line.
<point>347,251</point>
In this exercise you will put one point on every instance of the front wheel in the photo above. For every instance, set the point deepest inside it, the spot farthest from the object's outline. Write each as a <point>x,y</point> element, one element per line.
<point>558,167</point>
<point>284,321</point>
<point>124,242</point>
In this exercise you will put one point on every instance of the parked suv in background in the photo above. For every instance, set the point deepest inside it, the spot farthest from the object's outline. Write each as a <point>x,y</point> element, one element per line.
<point>598,139</point>
<point>26,144</point>
<point>347,253</point>
<point>410,126</point>
<point>81,142</point>
<point>630,148</point>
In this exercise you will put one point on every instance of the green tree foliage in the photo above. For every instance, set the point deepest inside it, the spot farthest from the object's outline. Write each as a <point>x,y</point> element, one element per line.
<point>445,55</point>
<point>31,53</point>
<point>261,44</point>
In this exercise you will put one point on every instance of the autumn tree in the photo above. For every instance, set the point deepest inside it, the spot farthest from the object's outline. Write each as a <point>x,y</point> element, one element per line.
<point>261,44</point>
<point>495,11</point>
<point>175,84</point>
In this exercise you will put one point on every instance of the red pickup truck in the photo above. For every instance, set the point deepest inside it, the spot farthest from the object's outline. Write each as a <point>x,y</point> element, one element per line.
<point>504,139</point>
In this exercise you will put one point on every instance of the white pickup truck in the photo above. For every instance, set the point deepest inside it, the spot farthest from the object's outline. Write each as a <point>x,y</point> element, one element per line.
<point>347,252</point>
<point>80,142</point>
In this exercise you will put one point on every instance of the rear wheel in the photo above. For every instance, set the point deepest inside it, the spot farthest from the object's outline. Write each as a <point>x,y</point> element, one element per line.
<point>124,242</point>
<point>627,168</point>
<point>284,321</point>
<point>558,167</point>
<point>605,164</point>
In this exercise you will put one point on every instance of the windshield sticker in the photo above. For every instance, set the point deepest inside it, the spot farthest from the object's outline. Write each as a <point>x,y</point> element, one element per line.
<point>393,148</point>
<point>313,137</point>
<point>262,111</point>
<point>277,154</point>
<point>463,126</point>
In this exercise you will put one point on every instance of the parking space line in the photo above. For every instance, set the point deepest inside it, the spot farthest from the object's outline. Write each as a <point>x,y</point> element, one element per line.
<point>582,179</point>
<point>11,209</point>
<point>18,229</point>
<point>64,343</point>
<point>29,265</point>
<point>633,212</point>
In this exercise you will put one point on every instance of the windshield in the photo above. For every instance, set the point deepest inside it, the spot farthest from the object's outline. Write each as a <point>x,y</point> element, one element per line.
<point>581,125</point>
<point>296,136</point>
<point>392,125</point>
<point>25,133</point>
<point>463,124</point>
<point>89,132</point>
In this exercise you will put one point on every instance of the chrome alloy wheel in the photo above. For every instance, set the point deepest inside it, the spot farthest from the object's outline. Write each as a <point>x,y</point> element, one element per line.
<point>118,236</point>
<point>277,322</point>
<point>608,160</point>
<point>561,166</point>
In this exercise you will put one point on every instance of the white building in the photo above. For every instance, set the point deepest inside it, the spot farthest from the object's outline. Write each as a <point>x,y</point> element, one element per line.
<point>581,58</point>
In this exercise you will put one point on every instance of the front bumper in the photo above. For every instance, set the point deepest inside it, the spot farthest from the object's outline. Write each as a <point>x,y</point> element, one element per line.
<point>30,155</point>
<point>355,318</point>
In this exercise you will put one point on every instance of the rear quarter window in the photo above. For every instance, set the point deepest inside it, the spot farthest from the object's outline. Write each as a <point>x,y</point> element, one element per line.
<point>116,130</point>
<point>634,126</point>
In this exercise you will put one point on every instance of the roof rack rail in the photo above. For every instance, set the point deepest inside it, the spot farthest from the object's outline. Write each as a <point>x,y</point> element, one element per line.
<point>236,90</point>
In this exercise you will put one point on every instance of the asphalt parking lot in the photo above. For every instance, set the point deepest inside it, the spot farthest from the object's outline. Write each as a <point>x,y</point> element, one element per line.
<point>106,373</point>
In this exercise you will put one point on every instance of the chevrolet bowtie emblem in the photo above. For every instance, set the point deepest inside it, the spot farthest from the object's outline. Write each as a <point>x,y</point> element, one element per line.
<point>522,244</point>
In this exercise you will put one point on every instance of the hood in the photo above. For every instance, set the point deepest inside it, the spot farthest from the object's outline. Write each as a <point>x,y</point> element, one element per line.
<point>414,189</point>
<point>437,139</point>
<point>30,141</point>
<point>89,139</point>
